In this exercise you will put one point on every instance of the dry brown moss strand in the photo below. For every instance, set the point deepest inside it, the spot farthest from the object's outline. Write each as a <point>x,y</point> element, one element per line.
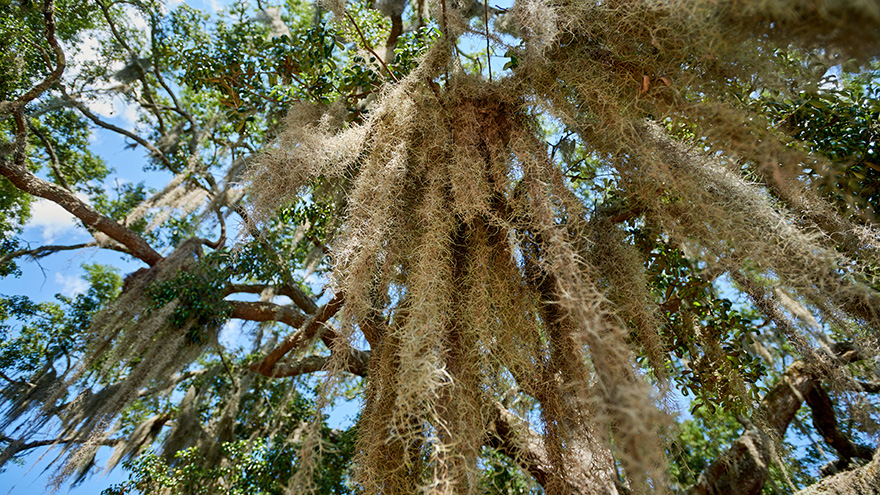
<point>624,401</point>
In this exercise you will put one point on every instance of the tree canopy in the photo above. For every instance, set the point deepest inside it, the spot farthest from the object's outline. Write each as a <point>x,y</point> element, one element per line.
<point>556,246</point>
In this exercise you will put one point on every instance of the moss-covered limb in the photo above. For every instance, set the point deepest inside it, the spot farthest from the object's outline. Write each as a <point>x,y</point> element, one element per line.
<point>744,467</point>
<point>305,334</point>
<point>266,311</point>
<point>17,446</point>
<point>44,251</point>
<point>861,481</point>
<point>357,363</point>
<point>297,295</point>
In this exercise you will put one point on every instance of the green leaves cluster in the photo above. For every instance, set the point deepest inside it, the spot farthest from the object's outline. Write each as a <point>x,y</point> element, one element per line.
<point>711,364</point>
<point>840,119</point>
<point>38,334</point>
<point>199,293</point>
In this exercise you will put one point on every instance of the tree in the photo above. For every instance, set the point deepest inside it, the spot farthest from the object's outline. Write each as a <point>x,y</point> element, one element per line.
<point>516,262</point>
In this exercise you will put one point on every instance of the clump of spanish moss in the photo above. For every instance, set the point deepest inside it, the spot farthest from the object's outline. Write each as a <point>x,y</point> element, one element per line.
<point>469,263</point>
<point>133,345</point>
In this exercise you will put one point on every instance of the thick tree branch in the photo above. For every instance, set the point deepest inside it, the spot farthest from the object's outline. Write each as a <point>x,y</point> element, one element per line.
<point>513,438</point>
<point>825,421</point>
<point>23,179</point>
<point>356,363</point>
<point>744,467</point>
<point>17,106</point>
<point>264,311</point>
<point>305,334</point>
<point>862,481</point>
<point>297,295</point>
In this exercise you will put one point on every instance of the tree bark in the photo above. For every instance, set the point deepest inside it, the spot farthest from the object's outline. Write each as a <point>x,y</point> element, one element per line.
<point>30,183</point>
<point>517,441</point>
<point>745,466</point>
<point>862,481</point>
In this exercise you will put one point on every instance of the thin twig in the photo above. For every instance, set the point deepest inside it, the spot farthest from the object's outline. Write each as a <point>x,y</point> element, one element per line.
<point>488,47</point>
<point>369,48</point>
<point>43,251</point>
<point>53,157</point>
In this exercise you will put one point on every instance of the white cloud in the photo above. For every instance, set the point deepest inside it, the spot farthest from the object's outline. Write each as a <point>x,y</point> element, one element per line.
<point>137,19</point>
<point>215,5</point>
<point>115,108</point>
<point>71,285</point>
<point>88,47</point>
<point>230,334</point>
<point>52,219</point>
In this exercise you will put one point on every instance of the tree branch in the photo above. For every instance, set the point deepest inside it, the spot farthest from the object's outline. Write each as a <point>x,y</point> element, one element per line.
<point>44,251</point>
<point>16,106</point>
<point>305,334</point>
<point>53,158</point>
<point>356,363</point>
<point>825,422</point>
<point>370,48</point>
<point>265,311</point>
<point>17,445</point>
<point>513,438</point>
<point>297,295</point>
<point>862,481</point>
<point>744,468</point>
<point>23,179</point>
<point>110,127</point>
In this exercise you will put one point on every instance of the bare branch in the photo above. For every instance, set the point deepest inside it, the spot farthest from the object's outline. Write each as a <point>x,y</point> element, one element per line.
<point>264,311</point>
<point>106,125</point>
<point>370,48</point>
<point>148,95</point>
<point>305,334</point>
<point>44,251</point>
<point>53,158</point>
<point>23,179</point>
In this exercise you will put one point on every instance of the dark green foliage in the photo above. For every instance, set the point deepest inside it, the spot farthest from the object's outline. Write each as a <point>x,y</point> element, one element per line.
<point>37,334</point>
<point>500,476</point>
<point>839,120</point>
<point>199,295</point>
<point>708,362</point>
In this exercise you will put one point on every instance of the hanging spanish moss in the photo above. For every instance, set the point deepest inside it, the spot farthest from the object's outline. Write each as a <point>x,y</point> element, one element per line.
<point>469,263</point>
<point>138,341</point>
